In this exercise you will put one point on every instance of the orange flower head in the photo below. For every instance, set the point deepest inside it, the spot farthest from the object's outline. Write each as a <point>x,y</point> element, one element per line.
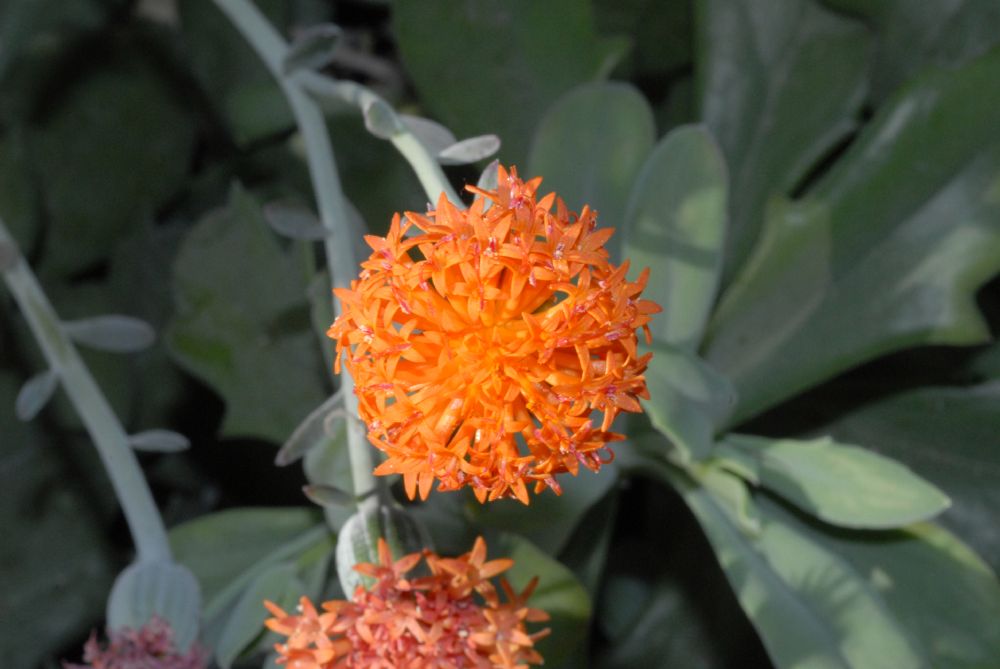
<point>451,619</point>
<point>483,341</point>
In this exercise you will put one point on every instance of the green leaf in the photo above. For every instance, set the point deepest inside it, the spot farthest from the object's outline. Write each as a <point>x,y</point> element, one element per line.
<point>241,323</point>
<point>675,224</point>
<point>516,58</point>
<point>114,333</point>
<point>590,146</point>
<point>558,593</point>
<point>843,485</point>
<point>886,252</point>
<point>947,435</point>
<point>231,73</point>
<point>56,550</point>
<point>35,394</point>
<point>780,83</point>
<point>912,36</point>
<point>934,586</point>
<point>227,550</point>
<point>328,462</point>
<point>156,588</point>
<point>294,222</point>
<point>359,539</point>
<point>811,608</point>
<point>116,148</point>
<point>279,584</point>
<point>159,441</point>
<point>550,519</point>
<point>688,400</point>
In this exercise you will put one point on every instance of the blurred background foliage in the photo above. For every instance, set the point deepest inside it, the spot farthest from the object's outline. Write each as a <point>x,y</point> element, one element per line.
<point>140,139</point>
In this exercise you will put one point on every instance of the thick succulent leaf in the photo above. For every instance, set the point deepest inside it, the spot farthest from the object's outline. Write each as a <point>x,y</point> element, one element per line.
<point>779,83</point>
<point>949,436</point>
<point>359,539</point>
<point>502,64</point>
<point>913,36</point>
<point>159,441</point>
<point>810,607</point>
<point>157,588</point>
<point>675,224</point>
<point>886,252</point>
<point>469,150</point>
<point>279,584</point>
<point>688,400</point>
<point>558,593</point>
<point>434,136</point>
<point>844,485</point>
<point>931,583</point>
<point>114,333</point>
<point>242,322</point>
<point>315,430</point>
<point>35,394</point>
<point>591,145</point>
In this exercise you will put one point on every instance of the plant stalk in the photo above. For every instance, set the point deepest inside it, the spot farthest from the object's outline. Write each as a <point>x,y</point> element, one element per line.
<point>148,532</point>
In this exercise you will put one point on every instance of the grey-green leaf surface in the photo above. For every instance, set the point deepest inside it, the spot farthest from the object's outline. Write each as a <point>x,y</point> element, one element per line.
<point>913,36</point>
<point>311,432</point>
<point>558,593</point>
<point>590,146</point>
<point>227,550</point>
<point>157,588</point>
<point>844,485</point>
<point>115,333</point>
<point>949,436</point>
<point>469,150</point>
<point>779,84</point>
<point>515,59</point>
<point>358,541</point>
<point>159,441</point>
<point>675,224</point>
<point>294,221</point>
<point>813,610</point>
<point>688,400</point>
<point>279,584</point>
<point>929,581</point>
<point>35,394</point>
<point>241,323</point>
<point>886,252</point>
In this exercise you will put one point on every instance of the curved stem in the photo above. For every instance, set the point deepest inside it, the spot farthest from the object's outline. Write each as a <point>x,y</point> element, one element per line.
<point>330,202</point>
<point>144,521</point>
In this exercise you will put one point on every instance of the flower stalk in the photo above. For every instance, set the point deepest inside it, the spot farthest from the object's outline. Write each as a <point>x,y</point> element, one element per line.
<point>110,438</point>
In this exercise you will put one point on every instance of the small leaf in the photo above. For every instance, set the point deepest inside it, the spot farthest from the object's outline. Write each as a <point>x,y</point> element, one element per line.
<point>434,136</point>
<point>115,333</point>
<point>159,441</point>
<point>469,150</point>
<point>8,256</point>
<point>325,495</point>
<point>382,120</point>
<point>358,541</point>
<point>312,49</point>
<point>159,588</point>
<point>295,222</point>
<point>35,394</point>
<point>843,485</point>
<point>310,432</point>
<point>688,400</point>
<point>278,583</point>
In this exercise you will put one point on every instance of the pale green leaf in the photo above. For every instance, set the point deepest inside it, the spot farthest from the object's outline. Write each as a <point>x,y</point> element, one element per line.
<point>675,225</point>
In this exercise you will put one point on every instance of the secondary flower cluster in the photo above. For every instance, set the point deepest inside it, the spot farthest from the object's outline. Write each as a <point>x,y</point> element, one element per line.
<point>480,362</point>
<point>150,647</point>
<point>451,619</point>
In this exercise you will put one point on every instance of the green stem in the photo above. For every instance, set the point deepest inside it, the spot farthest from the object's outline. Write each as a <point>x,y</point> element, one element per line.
<point>427,169</point>
<point>148,532</point>
<point>330,201</point>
